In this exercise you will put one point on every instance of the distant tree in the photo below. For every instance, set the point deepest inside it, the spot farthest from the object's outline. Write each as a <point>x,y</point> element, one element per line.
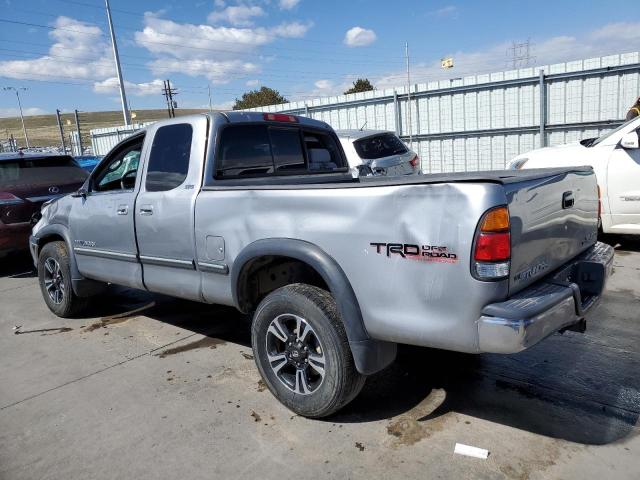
<point>259,98</point>
<point>360,85</point>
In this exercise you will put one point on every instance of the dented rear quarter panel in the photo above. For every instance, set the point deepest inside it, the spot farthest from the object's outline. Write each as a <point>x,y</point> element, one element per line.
<point>428,303</point>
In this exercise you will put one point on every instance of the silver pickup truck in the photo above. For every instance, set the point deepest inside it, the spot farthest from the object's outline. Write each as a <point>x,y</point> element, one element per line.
<point>259,211</point>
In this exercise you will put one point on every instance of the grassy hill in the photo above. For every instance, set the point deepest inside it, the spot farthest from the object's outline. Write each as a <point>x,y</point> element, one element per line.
<point>43,129</point>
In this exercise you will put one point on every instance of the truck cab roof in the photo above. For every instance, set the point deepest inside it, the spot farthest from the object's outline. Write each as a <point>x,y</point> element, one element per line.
<point>252,117</point>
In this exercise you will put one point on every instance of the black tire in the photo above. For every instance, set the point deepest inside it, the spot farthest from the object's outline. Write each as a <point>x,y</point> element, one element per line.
<point>53,261</point>
<point>340,382</point>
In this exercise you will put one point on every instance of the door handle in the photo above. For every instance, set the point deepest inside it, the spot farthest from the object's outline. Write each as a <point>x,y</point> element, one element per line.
<point>567,199</point>
<point>146,210</point>
<point>122,209</point>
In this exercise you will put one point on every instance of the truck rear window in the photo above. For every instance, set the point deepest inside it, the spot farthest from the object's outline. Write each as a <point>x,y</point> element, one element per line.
<point>264,150</point>
<point>379,146</point>
<point>39,169</point>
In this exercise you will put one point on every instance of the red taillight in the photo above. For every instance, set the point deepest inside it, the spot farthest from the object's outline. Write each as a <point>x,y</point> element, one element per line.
<point>493,247</point>
<point>415,161</point>
<point>7,198</point>
<point>492,251</point>
<point>280,117</point>
<point>599,203</point>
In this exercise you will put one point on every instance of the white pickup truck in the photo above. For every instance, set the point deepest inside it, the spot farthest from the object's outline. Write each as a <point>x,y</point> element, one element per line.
<point>615,158</point>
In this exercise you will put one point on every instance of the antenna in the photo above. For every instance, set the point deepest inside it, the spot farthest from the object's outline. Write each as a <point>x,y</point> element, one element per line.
<point>363,125</point>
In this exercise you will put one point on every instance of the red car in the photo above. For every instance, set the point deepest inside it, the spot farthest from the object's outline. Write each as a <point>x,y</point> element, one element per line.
<point>27,180</point>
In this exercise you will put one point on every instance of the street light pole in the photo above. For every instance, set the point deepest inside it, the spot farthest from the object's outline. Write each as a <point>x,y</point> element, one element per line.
<point>116,58</point>
<point>409,126</point>
<point>24,128</point>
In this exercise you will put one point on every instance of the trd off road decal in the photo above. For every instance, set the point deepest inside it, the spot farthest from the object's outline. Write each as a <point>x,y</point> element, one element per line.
<point>424,253</point>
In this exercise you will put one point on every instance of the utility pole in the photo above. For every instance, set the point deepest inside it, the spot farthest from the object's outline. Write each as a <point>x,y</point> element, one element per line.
<point>168,93</point>
<point>79,134</point>
<point>209,91</point>
<point>406,54</point>
<point>24,129</point>
<point>116,58</point>
<point>64,147</point>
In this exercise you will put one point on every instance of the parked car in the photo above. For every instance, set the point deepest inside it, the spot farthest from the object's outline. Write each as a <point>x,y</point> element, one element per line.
<point>88,162</point>
<point>615,158</point>
<point>260,211</point>
<point>378,152</point>
<point>27,180</point>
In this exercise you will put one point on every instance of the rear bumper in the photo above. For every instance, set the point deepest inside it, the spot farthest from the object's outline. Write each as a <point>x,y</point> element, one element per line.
<point>549,305</point>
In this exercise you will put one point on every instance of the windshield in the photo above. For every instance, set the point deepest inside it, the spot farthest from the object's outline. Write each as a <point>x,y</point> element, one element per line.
<point>603,137</point>
<point>379,146</point>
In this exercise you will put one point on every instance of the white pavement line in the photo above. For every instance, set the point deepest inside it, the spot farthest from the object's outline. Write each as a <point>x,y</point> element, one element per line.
<point>31,397</point>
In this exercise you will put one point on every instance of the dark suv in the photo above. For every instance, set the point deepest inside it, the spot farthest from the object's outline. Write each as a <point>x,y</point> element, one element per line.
<point>27,180</point>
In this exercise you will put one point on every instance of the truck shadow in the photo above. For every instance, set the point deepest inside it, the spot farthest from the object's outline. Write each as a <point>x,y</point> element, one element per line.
<point>581,388</point>
<point>622,243</point>
<point>17,265</point>
<point>119,304</point>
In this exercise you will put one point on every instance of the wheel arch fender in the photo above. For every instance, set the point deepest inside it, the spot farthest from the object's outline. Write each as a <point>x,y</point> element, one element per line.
<point>370,355</point>
<point>83,287</point>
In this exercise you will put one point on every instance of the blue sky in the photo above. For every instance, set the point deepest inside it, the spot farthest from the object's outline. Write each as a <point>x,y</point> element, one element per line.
<point>60,50</point>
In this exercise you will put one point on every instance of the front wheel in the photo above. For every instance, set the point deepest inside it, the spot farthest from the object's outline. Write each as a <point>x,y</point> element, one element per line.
<point>54,275</point>
<point>302,352</point>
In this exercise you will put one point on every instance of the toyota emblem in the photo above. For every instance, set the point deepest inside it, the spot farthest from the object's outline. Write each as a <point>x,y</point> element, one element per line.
<point>54,190</point>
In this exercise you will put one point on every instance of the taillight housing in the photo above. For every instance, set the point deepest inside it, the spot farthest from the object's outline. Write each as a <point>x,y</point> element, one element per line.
<point>415,161</point>
<point>492,246</point>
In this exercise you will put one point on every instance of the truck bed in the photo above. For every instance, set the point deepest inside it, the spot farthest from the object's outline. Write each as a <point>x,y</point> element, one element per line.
<point>502,177</point>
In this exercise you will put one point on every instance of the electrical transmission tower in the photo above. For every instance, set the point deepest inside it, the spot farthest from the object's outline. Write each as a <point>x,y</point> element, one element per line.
<point>168,93</point>
<point>519,54</point>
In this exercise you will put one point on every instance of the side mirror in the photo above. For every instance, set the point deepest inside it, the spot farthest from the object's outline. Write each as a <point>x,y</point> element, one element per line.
<point>630,140</point>
<point>81,192</point>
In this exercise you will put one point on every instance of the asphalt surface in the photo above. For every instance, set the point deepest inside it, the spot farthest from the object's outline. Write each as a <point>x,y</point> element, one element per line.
<point>153,387</point>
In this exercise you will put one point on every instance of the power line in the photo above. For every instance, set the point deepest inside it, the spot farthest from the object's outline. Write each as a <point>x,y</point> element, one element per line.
<point>98,61</point>
<point>143,14</point>
<point>208,49</point>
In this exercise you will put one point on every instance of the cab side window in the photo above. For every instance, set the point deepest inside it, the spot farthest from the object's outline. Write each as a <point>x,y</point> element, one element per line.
<point>265,150</point>
<point>323,152</point>
<point>169,157</point>
<point>121,169</point>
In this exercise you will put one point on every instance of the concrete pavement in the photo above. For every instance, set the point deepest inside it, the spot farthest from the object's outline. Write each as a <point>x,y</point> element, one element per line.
<point>150,387</point>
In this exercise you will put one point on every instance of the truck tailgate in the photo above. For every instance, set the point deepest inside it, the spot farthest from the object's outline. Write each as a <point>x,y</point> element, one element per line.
<point>554,218</point>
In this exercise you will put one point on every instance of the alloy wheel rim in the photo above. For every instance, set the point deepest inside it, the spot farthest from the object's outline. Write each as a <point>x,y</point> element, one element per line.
<point>53,280</point>
<point>295,354</point>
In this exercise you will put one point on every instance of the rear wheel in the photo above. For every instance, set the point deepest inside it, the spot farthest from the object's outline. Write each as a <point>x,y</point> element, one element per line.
<point>302,351</point>
<point>54,275</point>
